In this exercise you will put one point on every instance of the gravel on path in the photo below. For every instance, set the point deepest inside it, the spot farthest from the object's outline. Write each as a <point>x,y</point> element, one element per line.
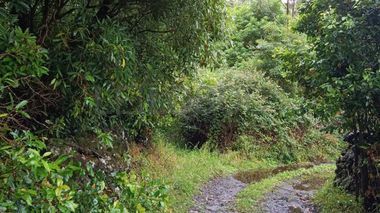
<point>293,196</point>
<point>218,196</point>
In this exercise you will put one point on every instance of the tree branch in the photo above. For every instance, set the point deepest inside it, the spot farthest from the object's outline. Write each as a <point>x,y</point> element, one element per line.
<point>157,31</point>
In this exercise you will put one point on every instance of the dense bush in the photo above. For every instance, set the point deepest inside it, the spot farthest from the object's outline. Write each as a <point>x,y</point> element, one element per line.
<point>245,111</point>
<point>22,64</point>
<point>346,70</point>
<point>233,103</point>
<point>325,147</point>
<point>107,65</point>
<point>33,179</point>
<point>98,68</point>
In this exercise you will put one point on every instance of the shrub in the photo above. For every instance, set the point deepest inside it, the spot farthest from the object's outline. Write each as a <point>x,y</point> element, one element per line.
<point>346,82</point>
<point>331,199</point>
<point>22,64</point>
<point>32,179</point>
<point>109,66</point>
<point>239,102</point>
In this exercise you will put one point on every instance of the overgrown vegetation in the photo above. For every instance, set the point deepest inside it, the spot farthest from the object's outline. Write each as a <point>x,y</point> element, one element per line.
<point>97,96</point>
<point>84,66</point>
<point>344,36</point>
<point>33,179</point>
<point>334,199</point>
<point>244,110</point>
<point>185,171</point>
<point>104,70</point>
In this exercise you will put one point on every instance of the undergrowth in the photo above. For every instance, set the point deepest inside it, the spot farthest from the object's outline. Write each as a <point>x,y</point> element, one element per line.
<point>331,199</point>
<point>34,179</point>
<point>187,170</point>
<point>242,110</point>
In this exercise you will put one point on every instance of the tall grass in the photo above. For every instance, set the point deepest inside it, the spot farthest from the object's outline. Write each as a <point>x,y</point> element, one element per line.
<point>331,199</point>
<point>186,171</point>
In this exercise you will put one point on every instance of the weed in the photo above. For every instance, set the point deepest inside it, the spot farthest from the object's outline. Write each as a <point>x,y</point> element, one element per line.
<point>331,199</point>
<point>186,171</point>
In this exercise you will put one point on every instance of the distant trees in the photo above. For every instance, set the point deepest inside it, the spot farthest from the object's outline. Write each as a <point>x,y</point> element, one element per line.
<point>252,22</point>
<point>262,39</point>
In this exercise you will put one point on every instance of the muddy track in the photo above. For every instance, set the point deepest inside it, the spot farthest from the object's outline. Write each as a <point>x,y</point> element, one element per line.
<point>218,196</point>
<point>292,196</point>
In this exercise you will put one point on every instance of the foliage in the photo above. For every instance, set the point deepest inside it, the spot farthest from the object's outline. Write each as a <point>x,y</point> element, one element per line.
<point>282,56</point>
<point>335,200</point>
<point>22,64</point>
<point>345,38</point>
<point>325,147</point>
<point>292,58</point>
<point>245,111</point>
<point>232,103</point>
<point>109,65</point>
<point>263,40</point>
<point>33,179</point>
<point>251,22</point>
<point>186,171</point>
<point>344,35</point>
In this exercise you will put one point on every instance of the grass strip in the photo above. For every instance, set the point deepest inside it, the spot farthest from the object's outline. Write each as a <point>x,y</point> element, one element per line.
<point>249,199</point>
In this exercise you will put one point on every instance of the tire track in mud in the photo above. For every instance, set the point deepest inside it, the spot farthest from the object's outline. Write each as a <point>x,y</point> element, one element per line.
<point>292,196</point>
<point>218,195</point>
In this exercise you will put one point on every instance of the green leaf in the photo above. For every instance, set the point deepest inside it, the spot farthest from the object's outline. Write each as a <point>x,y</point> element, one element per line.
<point>59,181</point>
<point>71,205</point>
<point>60,160</point>
<point>102,185</point>
<point>89,77</point>
<point>60,189</point>
<point>36,144</point>
<point>27,198</point>
<point>26,115</point>
<point>46,154</point>
<point>46,166</point>
<point>140,208</point>
<point>21,104</point>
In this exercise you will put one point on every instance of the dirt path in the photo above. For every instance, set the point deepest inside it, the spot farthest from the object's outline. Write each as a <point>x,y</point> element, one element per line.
<point>218,196</point>
<point>293,196</point>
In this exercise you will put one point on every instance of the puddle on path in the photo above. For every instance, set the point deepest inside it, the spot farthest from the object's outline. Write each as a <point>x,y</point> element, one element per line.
<point>258,175</point>
<point>218,195</point>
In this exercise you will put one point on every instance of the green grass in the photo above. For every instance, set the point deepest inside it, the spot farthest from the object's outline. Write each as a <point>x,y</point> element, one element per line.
<point>249,199</point>
<point>332,199</point>
<point>186,171</point>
